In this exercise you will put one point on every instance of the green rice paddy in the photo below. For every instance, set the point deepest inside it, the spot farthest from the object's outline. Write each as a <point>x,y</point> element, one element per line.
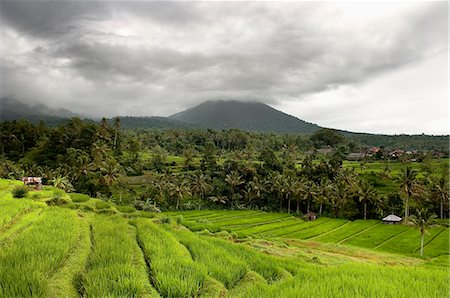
<point>63,252</point>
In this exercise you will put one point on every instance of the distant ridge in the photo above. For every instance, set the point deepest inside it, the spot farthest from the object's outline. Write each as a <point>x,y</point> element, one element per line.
<point>251,116</point>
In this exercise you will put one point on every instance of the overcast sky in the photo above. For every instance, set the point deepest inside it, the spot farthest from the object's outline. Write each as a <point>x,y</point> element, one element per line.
<point>377,67</point>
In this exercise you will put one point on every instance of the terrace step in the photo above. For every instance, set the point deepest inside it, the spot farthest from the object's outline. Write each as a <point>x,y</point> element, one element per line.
<point>20,224</point>
<point>333,230</point>
<point>357,233</point>
<point>391,238</point>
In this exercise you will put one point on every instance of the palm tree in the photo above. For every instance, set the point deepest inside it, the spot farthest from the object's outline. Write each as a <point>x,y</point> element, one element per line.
<point>234,180</point>
<point>366,194</point>
<point>200,185</point>
<point>287,188</point>
<point>117,125</point>
<point>408,182</point>
<point>422,221</point>
<point>324,193</point>
<point>299,192</point>
<point>179,189</point>
<point>62,182</point>
<point>111,171</point>
<point>255,189</point>
<point>440,191</point>
<point>310,193</point>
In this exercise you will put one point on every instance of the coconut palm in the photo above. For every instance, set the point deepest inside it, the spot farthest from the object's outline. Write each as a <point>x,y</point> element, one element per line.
<point>200,185</point>
<point>179,189</point>
<point>408,182</point>
<point>422,221</point>
<point>111,171</point>
<point>234,180</point>
<point>255,189</point>
<point>324,193</point>
<point>62,182</point>
<point>117,125</point>
<point>366,194</point>
<point>439,190</point>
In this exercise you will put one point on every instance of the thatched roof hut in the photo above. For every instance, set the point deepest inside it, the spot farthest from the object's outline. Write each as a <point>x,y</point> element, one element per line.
<point>33,181</point>
<point>392,219</point>
<point>310,216</point>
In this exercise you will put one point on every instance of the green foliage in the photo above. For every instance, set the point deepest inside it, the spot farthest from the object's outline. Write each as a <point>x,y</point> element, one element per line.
<point>34,254</point>
<point>174,272</point>
<point>19,192</point>
<point>116,267</point>
<point>125,209</point>
<point>58,200</point>
<point>326,137</point>
<point>100,205</point>
<point>78,197</point>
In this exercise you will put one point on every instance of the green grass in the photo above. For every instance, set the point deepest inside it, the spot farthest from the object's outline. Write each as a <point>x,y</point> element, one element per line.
<point>439,245</point>
<point>318,230</point>
<point>285,232</point>
<point>66,282</point>
<point>116,267</point>
<point>346,231</point>
<point>11,209</point>
<point>376,235</point>
<point>258,229</point>
<point>174,273</point>
<point>408,242</point>
<point>220,265</point>
<point>24,222</point>
<point>79,197</point>
<point>355,280</point>
<point>37,253</point>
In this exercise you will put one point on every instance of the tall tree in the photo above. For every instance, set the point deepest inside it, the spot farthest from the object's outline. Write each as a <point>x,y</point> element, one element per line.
<point>179,189</point>
<point>408,182</point>
<point>422,222</point>
<point>234,180</point>
<point>366,194</point>
<point>439,191</point>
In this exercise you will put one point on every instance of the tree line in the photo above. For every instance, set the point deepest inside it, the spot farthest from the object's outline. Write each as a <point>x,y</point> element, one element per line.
<point>229,169</point>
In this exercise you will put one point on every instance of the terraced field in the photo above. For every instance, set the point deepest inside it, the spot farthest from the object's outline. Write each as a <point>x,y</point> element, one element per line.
<point>59,252</point>
<point>371,234</point>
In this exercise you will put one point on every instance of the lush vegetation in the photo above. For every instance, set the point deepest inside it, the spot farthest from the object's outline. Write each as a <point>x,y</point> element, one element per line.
<point>72,250</point>
<point>233,169</point>
<point>95,228</point>
<point>373,234</point>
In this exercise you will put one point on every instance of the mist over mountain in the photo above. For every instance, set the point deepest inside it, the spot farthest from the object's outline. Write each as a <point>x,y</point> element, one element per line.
<point>251,116</point>
<point>12,109</point>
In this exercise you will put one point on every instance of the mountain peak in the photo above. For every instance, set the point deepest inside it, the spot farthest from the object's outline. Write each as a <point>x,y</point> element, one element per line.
<point>252,116</point>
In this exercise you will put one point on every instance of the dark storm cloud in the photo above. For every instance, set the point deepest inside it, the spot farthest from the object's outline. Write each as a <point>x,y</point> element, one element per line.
<point>124,57</point>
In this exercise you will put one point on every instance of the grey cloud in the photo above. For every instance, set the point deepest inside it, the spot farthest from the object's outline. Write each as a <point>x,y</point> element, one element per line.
<point>181,53</point>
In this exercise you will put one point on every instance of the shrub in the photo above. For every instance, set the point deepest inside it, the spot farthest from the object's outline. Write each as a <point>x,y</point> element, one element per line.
<point>179,219</point>
<point>165,219</point>
<point>125,209</point>
<point>35,196</point>
<point>79,197</point>
<point>20,191</point>
<point>58,201</point>
<point>100,205</point>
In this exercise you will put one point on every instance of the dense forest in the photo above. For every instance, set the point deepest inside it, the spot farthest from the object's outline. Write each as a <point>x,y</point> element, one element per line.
<point>228,169</point>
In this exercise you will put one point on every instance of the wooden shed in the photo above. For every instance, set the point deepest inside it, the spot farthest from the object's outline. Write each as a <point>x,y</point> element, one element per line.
<point>35,182</point>
<point>392,219</point>
<point>310,216</point>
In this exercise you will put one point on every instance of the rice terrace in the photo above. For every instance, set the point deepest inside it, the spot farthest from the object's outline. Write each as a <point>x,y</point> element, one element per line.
<point>224,149</point>
<point>96,250</point>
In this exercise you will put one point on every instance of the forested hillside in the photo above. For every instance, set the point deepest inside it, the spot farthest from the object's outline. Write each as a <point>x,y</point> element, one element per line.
<point>232,169</point>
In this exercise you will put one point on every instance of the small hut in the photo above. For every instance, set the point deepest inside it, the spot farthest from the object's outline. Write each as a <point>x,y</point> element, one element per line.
<point>310,216</point>
<point>392,219</point>
<point>35,182</point>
